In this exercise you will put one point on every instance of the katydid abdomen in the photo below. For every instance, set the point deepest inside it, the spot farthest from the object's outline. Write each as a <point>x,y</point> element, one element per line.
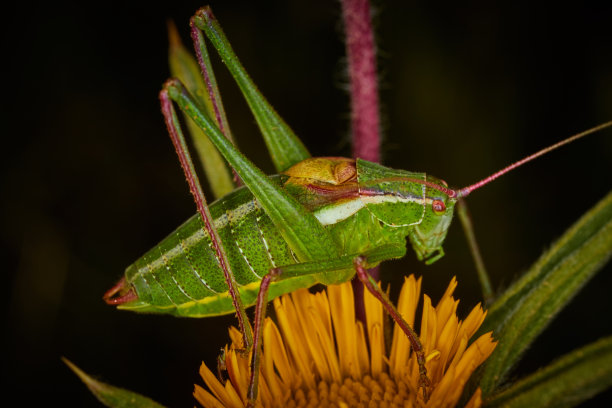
<point>182,275</point>
<point>363,205</point>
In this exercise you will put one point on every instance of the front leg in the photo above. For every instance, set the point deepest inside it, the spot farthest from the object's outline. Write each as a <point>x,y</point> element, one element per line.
<point>368,282</point>
<point>274,275</point>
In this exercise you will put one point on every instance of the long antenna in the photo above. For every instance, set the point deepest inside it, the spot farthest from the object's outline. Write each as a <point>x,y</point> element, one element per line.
<point>467,190</point>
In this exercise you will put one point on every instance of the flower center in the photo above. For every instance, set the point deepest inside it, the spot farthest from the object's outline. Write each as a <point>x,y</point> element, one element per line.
<point>367,391</point>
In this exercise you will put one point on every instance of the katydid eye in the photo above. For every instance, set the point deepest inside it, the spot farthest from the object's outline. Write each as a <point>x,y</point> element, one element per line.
<point>438,207</point>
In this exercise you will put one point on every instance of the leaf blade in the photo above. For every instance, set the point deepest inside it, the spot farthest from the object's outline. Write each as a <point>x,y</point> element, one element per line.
<point>572,379</point>
<point>527,307</point>
<point>110,395</point>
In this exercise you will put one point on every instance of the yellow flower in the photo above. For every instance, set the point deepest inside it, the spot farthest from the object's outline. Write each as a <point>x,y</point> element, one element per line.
<point>321,355</point>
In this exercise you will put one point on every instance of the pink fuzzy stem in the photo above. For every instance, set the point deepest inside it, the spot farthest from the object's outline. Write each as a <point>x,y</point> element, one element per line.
<point>365,120</point>
<point>361,54</point>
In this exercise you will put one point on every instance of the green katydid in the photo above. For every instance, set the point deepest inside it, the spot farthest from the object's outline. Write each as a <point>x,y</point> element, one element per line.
<point>321,220</point>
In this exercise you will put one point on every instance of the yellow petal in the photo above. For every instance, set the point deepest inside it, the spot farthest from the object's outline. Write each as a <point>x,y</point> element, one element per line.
<point>476,400</point>
<point>377,349</point>
<point>343,317</point>
<point>442,389</point>
<point>445,308</point>
<point>234,398</point>
<point>375,325</point>
<point>321,303</point>
<point>275,355</point>
<point>475,354</point>
<point>362,351</point>
<point>294,338</point>
<point>235,337</point>
<point>429,325</point>
<point>316,348</point>
<point>406,306</point>
<point>451,288</point>
<point>205,398</point>
<point>327,347</point>
<point>238,373</point>
<point>457,355</point>
<point>215,386</point>
<point>445,343</point>
<point>474,320</point>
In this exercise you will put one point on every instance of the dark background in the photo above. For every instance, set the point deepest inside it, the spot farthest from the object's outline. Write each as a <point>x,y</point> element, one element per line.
<point>90,181</point>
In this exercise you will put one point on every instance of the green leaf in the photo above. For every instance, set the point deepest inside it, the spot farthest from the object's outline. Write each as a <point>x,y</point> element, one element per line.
<point>528,306</point>
<point>572,379</point>
<point>184,66</point>
<point>112,396</point>
<point>285,148</point>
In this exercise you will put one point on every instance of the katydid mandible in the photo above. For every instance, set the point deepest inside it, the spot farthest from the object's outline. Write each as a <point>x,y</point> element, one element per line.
<point>321,220</point>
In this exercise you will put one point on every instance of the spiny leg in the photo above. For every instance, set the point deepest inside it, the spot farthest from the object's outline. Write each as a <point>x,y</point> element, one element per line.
<point>274,275</point>
<point>210,81</point>
<point>468,229</point>
<point>369,283</point>
<point>285,147</point>
<point>260,315</point>
<point>182,150</point>
<point>302,269</point>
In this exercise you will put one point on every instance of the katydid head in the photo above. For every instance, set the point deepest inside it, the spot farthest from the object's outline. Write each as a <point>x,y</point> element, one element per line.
<point>428,235</point>
<point>424,205</point>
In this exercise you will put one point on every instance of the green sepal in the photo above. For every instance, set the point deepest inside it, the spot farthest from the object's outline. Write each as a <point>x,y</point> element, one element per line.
<point>528,306</point>
<point>567,382</point>
<point>302,231</point>
<point>110,395</point>
<point>184,67</point>
<point>285,148</point>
